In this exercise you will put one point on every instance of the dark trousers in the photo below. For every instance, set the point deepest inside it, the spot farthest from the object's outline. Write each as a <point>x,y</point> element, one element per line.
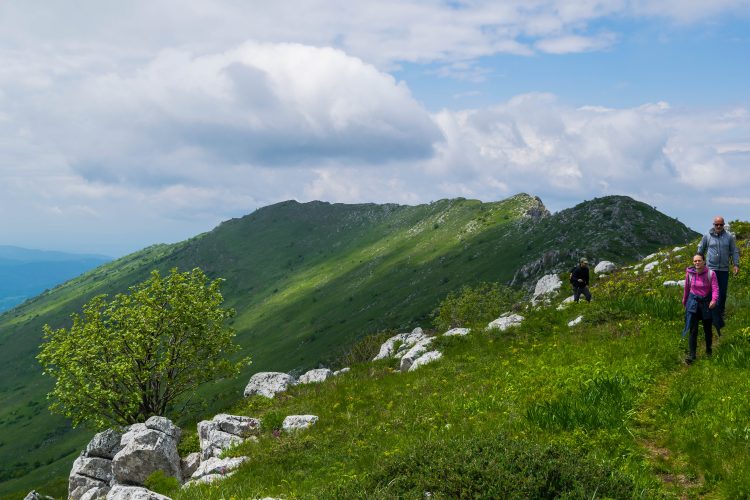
<point>578,290</point>
<point>693,338</point>
<point>722,279</point>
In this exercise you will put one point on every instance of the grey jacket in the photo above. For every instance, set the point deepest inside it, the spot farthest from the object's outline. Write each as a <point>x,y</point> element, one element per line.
<point>719,249</point>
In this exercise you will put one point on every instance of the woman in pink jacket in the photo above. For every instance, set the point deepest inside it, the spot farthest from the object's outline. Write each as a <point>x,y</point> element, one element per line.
<point>700,297</point>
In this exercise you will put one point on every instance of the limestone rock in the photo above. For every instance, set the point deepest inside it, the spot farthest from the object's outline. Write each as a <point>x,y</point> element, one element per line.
<point>121,492</point>
<point>457,331</point>
<point>190,464</point>
<point>415,352</point>
<point>163,424</point>
<point>79,485</point>
<point>315,376</point>
<point>404,341</point>
<point>671,283</point>
<point>268,384</point>
<point>575,321</point>
<point>425,358</point>
<point>93,467</point>
<point>223,432</point>
<point>565,303</point>
<point>299,422</point>
<point>147,450</point>
<point>96,494</point>
<point>605,266</point>
<point>33,495</point>
<point>506,321</point>
<point>105,444</point>
<point>546,285</point>
<point>648,267</point>
<point>218,466</point>
<point>342,371</point>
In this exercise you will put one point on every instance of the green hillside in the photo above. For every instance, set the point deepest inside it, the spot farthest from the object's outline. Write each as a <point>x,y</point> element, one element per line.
<point>308,280</point>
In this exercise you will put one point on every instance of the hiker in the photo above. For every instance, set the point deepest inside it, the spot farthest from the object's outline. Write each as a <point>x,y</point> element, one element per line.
<point>699,299</point>
<point>579,278</point>
<point>719,246</point>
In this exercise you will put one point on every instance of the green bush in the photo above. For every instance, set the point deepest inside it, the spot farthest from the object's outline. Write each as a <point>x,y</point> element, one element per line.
<point>484,466</point>
<point>474,307</point>
<point>741,229</point>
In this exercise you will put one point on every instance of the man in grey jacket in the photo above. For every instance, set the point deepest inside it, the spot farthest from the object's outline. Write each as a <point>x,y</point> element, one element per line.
<point>719,247</point>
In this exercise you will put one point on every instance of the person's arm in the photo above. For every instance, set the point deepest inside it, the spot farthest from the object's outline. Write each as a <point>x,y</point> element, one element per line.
<point>714,291</point>
<point>702,245</point>
<point>687,289</point>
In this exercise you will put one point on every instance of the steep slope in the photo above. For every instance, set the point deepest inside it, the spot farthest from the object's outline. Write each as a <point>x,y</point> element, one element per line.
<point>308,279</point>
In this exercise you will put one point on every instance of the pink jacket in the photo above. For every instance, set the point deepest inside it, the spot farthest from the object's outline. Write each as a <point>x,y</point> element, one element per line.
<point>699,285</point>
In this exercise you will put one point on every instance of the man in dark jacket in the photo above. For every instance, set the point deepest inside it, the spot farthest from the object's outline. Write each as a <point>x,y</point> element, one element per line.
<point>579,278</point>
<point>720,248</point>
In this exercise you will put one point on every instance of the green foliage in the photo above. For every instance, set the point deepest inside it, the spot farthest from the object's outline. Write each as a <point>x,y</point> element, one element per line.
<point>134,357</point>
<point>161,483</point>
<point>492,466</point>
<point>741,229</point>
<point>474,306</point>
<point>364,349</point>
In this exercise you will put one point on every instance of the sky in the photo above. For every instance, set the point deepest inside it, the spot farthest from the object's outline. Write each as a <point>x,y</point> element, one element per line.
<point>126,124</point>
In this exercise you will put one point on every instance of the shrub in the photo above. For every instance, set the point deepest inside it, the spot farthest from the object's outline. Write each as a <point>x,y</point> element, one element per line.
<point>484,466</point>
<point>474,307</point>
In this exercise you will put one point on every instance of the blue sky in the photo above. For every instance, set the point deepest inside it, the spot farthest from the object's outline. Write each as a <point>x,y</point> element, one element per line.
<point>125,125</point>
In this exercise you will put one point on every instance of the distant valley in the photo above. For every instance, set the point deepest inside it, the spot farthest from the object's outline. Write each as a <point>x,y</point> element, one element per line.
<point>25,273</point>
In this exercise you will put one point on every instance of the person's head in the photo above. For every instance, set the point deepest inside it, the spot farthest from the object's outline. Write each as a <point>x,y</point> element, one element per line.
<point>583,262</point>
<point>699,261</point>
<point>718,224</point>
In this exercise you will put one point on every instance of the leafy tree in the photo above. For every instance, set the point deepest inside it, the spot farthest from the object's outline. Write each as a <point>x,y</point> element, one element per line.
<point>134,357</point>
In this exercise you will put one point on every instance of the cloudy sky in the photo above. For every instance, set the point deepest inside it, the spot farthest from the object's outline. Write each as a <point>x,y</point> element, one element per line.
<point>124,124</point>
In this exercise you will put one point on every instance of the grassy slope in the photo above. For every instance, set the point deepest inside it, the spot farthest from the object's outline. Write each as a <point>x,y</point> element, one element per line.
<point>307,280</point>
<point>607,408</point>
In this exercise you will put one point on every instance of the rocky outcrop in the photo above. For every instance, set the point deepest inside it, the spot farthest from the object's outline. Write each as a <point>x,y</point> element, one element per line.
<point>342,371</point>
<point>298,422</point>
<point>91,474</point>
<point>215,469</point>
<point>547,285</point>
<point>190,464</point>
<point>224,431</point>
<point>506,321</point>
<point>425,358</point>
<point>315,376</point>
<point>398,345</point>
<point>576,321</point>
<point>605,266</point>
<point>147,448</point>
<point>268,384</point>
<point>33,495</point>
<point>417,350</point>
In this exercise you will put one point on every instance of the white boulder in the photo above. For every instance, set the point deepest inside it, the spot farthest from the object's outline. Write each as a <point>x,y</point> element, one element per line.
<point>457,332</point>
<point>415,352</point>
<point>397,345</point>
<point>268,384</point>
<point>224,431</point>
<point>342,371</point>
<point>671,283</point>
<point>425,358</point>
<point>605,266</point>
<point>218,466</point>
<point>575,321</point>
<point>546,285</point>
<point>648,267</point>
<point>148,448</point>
<point>299,422</point>
<point>315,376</point>
<point>565,303</point>
<point>506,321</point>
